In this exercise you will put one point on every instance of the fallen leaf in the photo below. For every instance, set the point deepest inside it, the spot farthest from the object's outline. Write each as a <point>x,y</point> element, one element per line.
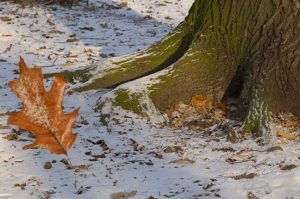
<point>123,195</point>
<point>155,154</point>
<point>240,157</point>
<point>82,190</point>
<point>283,141</point>
<point>201,102</point>
<point>245,176</point>
<point>285,134</point>
<point>251,195</point>
<point>50,22</point>
<point>73,39</point>
<point>22,185</point>
<point>292,122</point>
<point>124,4</point>
<point>145,115</point>
<point>56,32</point>
<point>8,48</point>
<point>173,149</point>
<point>42,112</point>
<point>222,106</point>
<point>88,28</point>
<point>183,161</point>
<point>5,19</point>
<point>80,167</point>
<point>288,167</point>
<point>11,137</point>
<point>68,63</point>
<point>178,123</point>
<point>275,148</point>
<point>224,149</point>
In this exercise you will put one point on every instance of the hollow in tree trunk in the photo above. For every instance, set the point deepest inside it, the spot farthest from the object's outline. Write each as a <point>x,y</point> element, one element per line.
<point>246,49</point>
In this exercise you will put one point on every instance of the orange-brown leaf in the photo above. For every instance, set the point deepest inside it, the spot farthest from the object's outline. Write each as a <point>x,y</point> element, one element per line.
<point>287,135</point>
<point>201,102</point>
<point>42,113</point>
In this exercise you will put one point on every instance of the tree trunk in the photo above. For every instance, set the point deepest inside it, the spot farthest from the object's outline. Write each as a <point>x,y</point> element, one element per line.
<point>247,49</point>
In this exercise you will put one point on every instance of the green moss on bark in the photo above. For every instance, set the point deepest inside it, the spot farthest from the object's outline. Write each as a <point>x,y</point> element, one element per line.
<point>82,75</point>
<point>127,101</point>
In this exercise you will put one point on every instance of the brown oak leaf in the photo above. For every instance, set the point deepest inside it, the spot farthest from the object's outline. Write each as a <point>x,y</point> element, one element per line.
<point>42,112</point>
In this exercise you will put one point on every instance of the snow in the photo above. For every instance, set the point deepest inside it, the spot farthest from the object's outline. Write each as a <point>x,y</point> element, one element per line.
<point>136,159</point>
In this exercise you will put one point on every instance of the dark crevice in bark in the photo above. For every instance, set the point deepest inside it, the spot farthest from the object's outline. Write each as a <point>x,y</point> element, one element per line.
<point>236,85</point>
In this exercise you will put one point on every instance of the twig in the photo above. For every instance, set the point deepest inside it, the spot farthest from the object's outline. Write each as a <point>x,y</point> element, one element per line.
<point>71,165</point>
<point>55,60</point>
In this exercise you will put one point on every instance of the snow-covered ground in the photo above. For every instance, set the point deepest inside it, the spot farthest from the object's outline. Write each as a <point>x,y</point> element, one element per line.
<point>129,157</point>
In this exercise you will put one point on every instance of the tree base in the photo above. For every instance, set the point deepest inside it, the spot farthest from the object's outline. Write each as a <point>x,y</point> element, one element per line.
<point>219,53</point>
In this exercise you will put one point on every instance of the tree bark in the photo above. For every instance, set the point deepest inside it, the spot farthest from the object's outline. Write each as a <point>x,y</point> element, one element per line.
<point>246,49</point>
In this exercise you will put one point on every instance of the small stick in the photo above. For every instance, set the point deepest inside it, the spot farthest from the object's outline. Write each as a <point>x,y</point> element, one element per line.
<point>71,165</point>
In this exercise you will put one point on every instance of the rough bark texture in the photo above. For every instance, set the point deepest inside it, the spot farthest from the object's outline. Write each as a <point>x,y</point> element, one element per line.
<point>246,49</point>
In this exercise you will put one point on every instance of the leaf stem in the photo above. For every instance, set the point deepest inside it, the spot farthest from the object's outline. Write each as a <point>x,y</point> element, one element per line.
<point>72,167</point>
